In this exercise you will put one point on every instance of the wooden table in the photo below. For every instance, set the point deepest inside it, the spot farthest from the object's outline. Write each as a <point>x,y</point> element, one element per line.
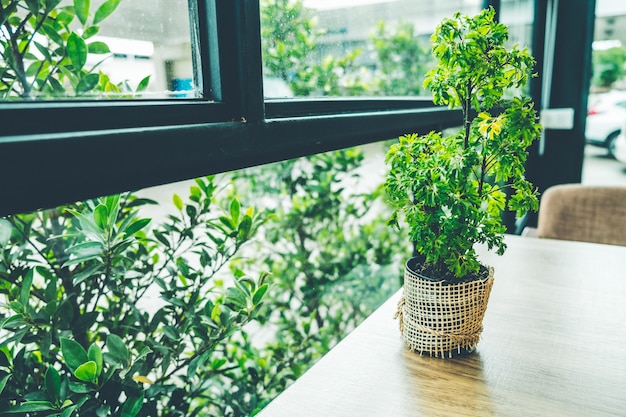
<point>554,344</point>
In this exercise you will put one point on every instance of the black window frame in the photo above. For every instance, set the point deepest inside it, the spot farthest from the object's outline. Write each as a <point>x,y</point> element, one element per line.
<point>54,153</point>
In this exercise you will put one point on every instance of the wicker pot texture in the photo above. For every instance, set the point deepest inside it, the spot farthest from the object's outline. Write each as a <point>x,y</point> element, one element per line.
<point>440,318</point>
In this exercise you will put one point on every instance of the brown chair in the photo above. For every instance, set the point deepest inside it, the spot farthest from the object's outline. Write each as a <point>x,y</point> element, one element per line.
<point>584,213</point>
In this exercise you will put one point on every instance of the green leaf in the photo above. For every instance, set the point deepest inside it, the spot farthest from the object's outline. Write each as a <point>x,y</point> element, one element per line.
<point>195,192</point>
<point>73,353</point>
<point>259,293</point>
<point>31,407</point>
<point>8,12</point>
<point>33,6</point>
<point>143,84</point>
<point>98,48</point>
<point>82,10</point>
<point>137,226</point>
<point>132,406</point>
<point>68,411</point>
<point>95,354</point>
<point>51,4</point>
<point>105,10</point>
<point>90,32</point>
<point>178,202</point>
<point>87,371</point>
<point>5,232</point>
<point>77,51</point>
<point>83,257</point>
<point>33,69</point>
<point>117,349</point>
<point>113,207</point>
<point>236,298</point>
<point>44,51</point>
<point>51,308</point>
<point>71,406</point>
<point>145,351</point>
<point>56,86</point>
<point>196,362</point>
<point>65,17</point>
<point>162,238</point>
<point>218,363</point>
<point>79,387</point>
<point>101,216</point>
<point>87,223</point>
<point>87,83</point>
<point>171,333</point>
<point>227,222</point>
<point>51,33</point>
<point>86,249</point>
<point>27,282</point>
<point>17,306</point>
<point>235,210</point>
<point>191,211</point>
<point>3,382</point>
<point>244,227</point>
<point>53,383</point>
<point>216,313</point>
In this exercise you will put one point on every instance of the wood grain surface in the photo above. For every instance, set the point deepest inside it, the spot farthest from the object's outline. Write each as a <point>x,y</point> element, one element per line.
<point>554,344</point>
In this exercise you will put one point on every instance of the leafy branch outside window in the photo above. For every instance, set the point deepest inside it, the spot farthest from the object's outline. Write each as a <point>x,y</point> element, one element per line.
<point>46,48</point>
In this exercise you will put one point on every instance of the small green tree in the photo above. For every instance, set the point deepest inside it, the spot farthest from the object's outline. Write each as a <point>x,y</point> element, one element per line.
<point>450,190</point>
<point>44,49</point>
<point>333,77</point>
<point>287,37</point>
<point>402,60</point>
<point>609,66</point>
<point>289,41</point>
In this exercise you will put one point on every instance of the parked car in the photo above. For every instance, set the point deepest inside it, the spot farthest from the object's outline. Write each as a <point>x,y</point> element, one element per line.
<point>605,118</point>
<point>620,145</point>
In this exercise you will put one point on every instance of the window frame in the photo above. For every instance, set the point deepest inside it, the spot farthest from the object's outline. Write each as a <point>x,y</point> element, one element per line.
<point>102,148</point>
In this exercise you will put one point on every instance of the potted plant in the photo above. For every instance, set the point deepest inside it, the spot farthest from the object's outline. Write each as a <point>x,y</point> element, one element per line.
<point>451,190</point>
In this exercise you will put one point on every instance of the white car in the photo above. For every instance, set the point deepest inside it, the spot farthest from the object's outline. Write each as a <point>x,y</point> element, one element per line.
<point>605,118</point>
<point>620,147</point>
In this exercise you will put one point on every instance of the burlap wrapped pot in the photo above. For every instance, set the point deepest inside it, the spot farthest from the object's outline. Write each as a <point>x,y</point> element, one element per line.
<point>440,318</point>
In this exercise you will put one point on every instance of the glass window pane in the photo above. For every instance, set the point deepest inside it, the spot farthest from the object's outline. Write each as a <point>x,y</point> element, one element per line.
<point>111,49</point>
<point>609,47</point>
<point>172,289</point>
<point>349,47</point>
<point>518,16</point>
<point>605,124</point>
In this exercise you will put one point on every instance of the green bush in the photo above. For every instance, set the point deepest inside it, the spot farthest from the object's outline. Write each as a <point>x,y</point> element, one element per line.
<point>608,66</point>
<point>82,332</point>
<point>402,60</point>
<point>75,337</point>
<point>331,258</point>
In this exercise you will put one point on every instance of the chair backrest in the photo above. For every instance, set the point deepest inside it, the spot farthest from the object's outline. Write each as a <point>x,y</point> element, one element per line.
<point>584,213</point>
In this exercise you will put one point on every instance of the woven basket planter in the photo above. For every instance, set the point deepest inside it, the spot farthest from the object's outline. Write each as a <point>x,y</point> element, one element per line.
<point>439,318</point>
